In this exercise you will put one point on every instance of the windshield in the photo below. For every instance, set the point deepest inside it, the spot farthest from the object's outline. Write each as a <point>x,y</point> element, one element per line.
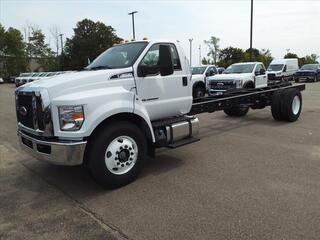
<point>275,67</point>
<point>120,56</point>
<point>198,70</point>
<point>309,67</point>
<point>239,68</point>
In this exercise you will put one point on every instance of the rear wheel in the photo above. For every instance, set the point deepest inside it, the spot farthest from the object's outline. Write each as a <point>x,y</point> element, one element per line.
<point>276,106</point>
<point>291,105</point>
<point>116,154</point>
<point>239,111</point>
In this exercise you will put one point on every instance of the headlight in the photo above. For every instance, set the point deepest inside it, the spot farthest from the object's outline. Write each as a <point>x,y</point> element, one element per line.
<point>278,74</point>
<point>71,117</point>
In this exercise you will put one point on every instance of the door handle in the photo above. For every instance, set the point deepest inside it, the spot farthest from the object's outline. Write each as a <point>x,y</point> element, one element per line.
<point>184,81</point>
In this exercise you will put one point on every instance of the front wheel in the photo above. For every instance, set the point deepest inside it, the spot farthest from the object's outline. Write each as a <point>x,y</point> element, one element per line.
<point>116,154</point>
<point>199,92</point>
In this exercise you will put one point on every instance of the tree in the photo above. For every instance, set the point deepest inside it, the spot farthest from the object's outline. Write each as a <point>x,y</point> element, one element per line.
<point>12,52</point>
<point>308,59</point>
<point>38,49</point>
<point>265,57</point>
<point>90,39</point>
<point>213,45</point>
<point>290,55</point>
<point>230,55</point>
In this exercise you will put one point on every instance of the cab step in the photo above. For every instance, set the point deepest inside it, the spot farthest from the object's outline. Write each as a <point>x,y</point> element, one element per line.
<point>183,142</point>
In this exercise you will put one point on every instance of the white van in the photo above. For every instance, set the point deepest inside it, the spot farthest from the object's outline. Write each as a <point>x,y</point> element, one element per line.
<point>282,69</point>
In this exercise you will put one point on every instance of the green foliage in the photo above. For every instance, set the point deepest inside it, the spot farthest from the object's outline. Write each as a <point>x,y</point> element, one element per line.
<point>12,52</point>
<point>229,56</point>
<point>233,55</point>
<point>290,55</point>
<point>213,45</point>
<point>90,39</point>
<point>37,48</point>
<point>308,59</point>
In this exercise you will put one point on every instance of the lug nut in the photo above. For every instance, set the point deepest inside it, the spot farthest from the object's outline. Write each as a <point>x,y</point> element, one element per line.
<point>127,163</point>
<point>126,146</point>
<point>121,148</point>
<point>122,165</point>
<point>130,149</point>
<point>118,163</point>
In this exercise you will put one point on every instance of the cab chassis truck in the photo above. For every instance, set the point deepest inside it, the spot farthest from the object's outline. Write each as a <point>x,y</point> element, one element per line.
<point>133,98</point>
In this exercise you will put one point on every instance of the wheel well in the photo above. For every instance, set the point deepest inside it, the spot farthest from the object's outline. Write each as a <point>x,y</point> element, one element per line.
<point>128,117</point>
<point>199,84</point>
<point>248,84</point>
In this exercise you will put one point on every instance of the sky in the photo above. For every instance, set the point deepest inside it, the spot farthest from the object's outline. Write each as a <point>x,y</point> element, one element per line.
<point>278,25</point>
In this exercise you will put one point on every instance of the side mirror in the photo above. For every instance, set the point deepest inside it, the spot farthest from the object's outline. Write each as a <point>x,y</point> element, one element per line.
<point>284,69</point>
<point>165,60</point>
<point>262,71</point>
<point>207,74</point>
<point>142,71</point>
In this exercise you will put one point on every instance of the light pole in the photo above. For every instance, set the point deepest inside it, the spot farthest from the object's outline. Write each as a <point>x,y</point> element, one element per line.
<point>61,43</point>
<point>251,25</point>
<point>133,30</point>
<point>199,55</point>
<point>61,58</point>
<point>190,40</point>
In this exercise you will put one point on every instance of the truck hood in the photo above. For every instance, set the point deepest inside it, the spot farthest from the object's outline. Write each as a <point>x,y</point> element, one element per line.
<point>238,76</point>
<point>82,80</point>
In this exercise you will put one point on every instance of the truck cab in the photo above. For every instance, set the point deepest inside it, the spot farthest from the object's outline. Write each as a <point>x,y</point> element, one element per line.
<point>199,79</point>
<point>238,76</point>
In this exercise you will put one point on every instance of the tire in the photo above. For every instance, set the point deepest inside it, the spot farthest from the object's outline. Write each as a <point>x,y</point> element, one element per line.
<point>291,105</point>
<point>116,154</point>
<point>276,106</point>
<point>315,79</point>
<point>237,111</point>
<point>199,92</point>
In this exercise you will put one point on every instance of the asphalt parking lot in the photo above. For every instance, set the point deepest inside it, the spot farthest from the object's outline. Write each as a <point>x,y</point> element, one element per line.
<point>248,178</point>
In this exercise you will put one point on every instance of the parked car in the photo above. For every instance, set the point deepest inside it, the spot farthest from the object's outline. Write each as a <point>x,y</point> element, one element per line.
<point>199,79</point>
<point>22,79</point>
<point>308,72</point>
<point>237,76</point>
<point>282,69</point>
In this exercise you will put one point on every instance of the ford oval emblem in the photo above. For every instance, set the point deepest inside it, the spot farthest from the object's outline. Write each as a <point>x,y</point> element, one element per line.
<point>23,111</point>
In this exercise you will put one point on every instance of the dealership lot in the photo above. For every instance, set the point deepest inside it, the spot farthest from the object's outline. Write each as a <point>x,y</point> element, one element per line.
<point>248,178</point>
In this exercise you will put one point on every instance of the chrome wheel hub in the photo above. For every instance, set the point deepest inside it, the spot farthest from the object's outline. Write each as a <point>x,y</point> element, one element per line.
<point>296,105</point>
<point>121,155</point>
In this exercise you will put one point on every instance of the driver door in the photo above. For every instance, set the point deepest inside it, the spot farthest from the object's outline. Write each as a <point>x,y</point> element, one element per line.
<point>260,76</point>
<point>163,96</point>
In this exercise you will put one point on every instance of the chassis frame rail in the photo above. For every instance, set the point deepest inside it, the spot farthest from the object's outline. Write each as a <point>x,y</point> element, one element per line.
<point>255,98</point>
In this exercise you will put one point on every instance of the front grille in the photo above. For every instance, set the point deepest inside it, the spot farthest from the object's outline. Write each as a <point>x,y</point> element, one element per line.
<point>222,85</point>
<point>25,110</point>
<point>271,76</point>
<point>30,112</point>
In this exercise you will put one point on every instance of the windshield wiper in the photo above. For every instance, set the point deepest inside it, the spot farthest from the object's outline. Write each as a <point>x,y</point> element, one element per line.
<point>98,67</point>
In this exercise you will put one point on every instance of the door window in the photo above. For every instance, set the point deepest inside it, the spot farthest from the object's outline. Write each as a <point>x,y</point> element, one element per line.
<point>150,62</point>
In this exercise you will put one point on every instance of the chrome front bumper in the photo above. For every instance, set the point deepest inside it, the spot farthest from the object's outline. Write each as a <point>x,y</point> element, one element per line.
<point>56,152</point>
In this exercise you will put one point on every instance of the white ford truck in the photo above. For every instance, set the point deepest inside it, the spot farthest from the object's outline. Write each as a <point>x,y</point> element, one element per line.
<point>199,79</point>
<point>133,98</point>
<point>237,76</point>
